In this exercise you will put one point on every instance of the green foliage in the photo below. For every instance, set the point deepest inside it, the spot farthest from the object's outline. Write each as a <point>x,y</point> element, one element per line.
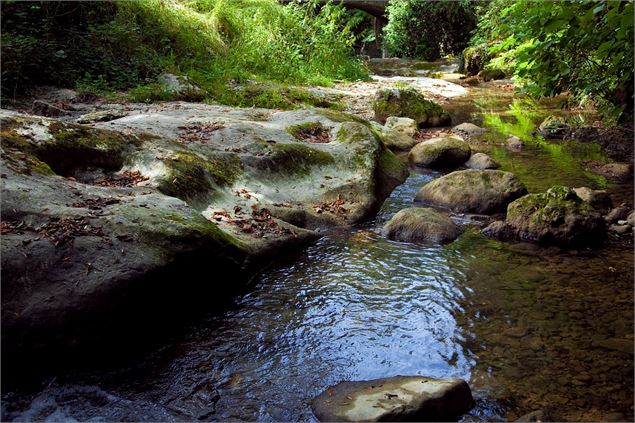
<point>123,44</point>
<point>583,47</point>
<point>427,29</point>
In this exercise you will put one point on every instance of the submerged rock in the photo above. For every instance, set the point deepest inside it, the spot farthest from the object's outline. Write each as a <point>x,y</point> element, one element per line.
<point>481,161</point>
<point>399,398</point>
<point>440,152</point>
<point>95,214</point>
<point>469,130</point>
<point>402,125</point>
<point>615,170</point>
<point>473,191</point>
<point>514,143</point>
<point>419,224</point>
<point>411,104</point>
<point>557,217</point>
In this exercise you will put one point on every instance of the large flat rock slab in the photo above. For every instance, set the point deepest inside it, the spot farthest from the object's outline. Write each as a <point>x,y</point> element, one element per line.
<point>399,398</point>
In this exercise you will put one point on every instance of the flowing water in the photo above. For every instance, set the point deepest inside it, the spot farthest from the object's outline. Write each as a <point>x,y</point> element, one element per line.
<point>529,328</point>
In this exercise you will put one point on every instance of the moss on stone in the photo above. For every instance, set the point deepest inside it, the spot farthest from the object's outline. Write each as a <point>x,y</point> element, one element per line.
<point>408,103</point>
<point>390,172</point>
<point>353,132</point>
<point>191,175</point>
<point>337,116</point>
<point>297,159</point>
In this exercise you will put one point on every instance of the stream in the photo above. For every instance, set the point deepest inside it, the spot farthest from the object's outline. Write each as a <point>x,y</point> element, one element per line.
<point>529,328</point>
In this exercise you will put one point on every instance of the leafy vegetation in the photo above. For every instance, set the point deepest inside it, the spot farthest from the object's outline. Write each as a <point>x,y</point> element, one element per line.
<point>121,45</point>
<point>426,29</point>
<point>583,47</point>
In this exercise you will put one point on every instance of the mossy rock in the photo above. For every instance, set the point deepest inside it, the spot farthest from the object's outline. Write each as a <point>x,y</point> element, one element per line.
<point>489,74</point>
<point>292,159</point>
<point>474,59</point>
<point>419,224</point>
<point>558,217</point>
<point>390,172</point>
<point>440,153</point>
<point>64,147</point>
<point>191,176</point>
<point>409,103</point>
<point>473,191</point>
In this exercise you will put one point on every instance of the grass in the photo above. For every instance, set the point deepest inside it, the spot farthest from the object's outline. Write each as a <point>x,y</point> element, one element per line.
<point>259,46</point>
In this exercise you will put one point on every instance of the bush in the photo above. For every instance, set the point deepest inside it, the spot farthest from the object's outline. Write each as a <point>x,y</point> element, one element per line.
<point>583,47</point>
<point>426,29</point>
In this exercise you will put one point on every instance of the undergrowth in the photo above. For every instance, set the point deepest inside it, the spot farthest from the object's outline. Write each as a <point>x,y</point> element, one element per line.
<point>104,47</point>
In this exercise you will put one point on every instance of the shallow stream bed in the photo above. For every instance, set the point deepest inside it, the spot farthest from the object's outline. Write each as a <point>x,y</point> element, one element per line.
<point>529,328</point>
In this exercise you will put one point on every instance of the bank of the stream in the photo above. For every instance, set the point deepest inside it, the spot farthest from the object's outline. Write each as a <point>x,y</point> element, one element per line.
<point>528,327</point>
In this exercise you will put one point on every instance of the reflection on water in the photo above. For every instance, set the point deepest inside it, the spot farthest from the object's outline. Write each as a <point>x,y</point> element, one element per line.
<point>528,328</point>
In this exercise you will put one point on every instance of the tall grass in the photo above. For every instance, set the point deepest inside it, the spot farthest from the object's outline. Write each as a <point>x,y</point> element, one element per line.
<point>126,44</point>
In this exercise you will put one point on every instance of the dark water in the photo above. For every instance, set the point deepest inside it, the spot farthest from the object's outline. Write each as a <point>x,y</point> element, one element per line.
<point>528,328</point>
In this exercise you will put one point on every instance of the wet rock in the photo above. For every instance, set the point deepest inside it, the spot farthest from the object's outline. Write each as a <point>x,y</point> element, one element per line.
<point>418,224</point>
<point>618,213</point>
<point>514,143</point>
<point>400,398</point>
<point>473,191</point>
<point>535,416</point>
<point>556,217</point>
<point>469,130</point>
<point>411,104</point>
<point>440,152</point>
<point>402,125</point>
<point>481,161</point>
<point>44,108</point>
<point>500,230</point>
<point>101,116</point>
<point>599,200</point>
<point>180,86</point>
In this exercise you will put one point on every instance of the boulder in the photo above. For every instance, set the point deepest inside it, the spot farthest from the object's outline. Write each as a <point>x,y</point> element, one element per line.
<point>395,140</point>
<point>557,217</point>
<point>473,191</point>
<point>440,152</point>
<point>399,398</point>
<point>599,200</point>
<point>469,130</point>
<point>500,230</point>
<point>474,59</point>
<point>630,219</point>
<point>481,161</point>
<point>418,224</point>
<point>402,125</point>
<point>411,104</point>
<point>514,143</point>
<point>621,229</point>
<point>96,218</point>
